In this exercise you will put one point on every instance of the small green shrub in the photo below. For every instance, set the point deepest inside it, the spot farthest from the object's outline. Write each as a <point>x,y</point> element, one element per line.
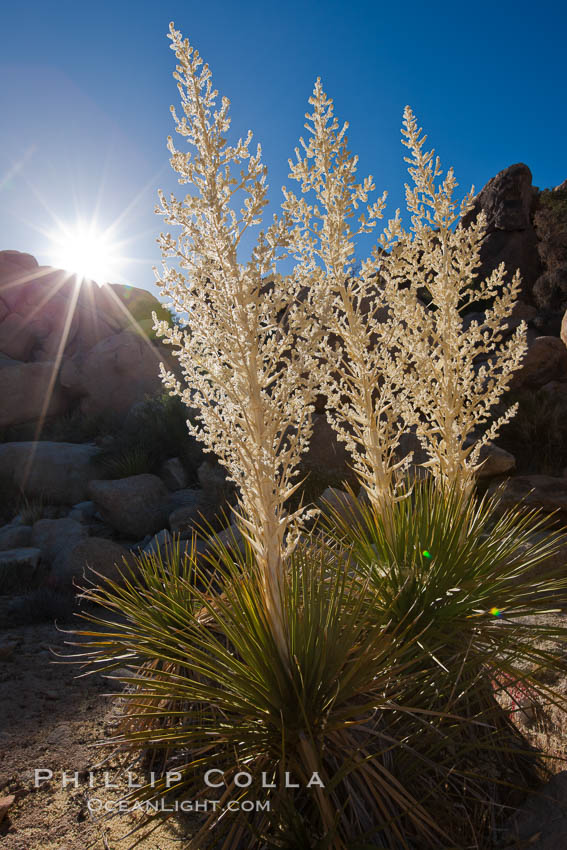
<point>134,460</point>
<point>154,431</point>
<point>13,501</point>
<point>78,427</point>
<point>33,509</point>
<point>556,201</point>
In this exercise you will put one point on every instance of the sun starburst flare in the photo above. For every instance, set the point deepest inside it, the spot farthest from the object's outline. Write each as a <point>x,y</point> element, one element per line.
<point>87,252</point>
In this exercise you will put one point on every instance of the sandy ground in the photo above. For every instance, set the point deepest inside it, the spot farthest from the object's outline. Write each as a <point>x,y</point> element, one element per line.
<point>50,720</point>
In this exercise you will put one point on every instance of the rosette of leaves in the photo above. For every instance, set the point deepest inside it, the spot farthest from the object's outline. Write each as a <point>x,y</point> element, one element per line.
<point>471,587</point>
<point>209,689</point>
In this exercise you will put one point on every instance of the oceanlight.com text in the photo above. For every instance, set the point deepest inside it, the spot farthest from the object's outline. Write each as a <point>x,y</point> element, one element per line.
<point>98,806</point>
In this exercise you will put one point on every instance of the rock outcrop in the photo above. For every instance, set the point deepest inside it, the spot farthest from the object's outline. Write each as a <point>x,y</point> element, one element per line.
<point>495,462</point>
<point>534,491</point>
<point>115,374</point>
<point>133,506</point>
<point>30,391</point>
<point>54,536</point>
<point>58,472</point>
<point>509,201</point>
<point>15,537</point>
<point>18,568</point>
<point>53,324</point>
<point>545,361</point>
<point>326,453</point>
<point>80,563</point>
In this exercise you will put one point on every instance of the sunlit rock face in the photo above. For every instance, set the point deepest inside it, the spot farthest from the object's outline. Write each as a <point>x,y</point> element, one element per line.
<point>14,263</point>
<point>52,322</point>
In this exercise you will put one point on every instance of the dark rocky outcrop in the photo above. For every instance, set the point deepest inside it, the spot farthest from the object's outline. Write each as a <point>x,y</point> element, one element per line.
<point>534,491</point>
<point>509,201</point>
<point>18,568</point>
<point>15,537</point>
<point>545,361</point>
<point>54,536</point>
<point>134,506</point>
<point>30,391</point>
<point>87,560</point>
<point>57,472</point>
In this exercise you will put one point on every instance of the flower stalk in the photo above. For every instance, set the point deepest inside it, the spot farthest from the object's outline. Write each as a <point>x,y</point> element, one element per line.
<point>251,379</point>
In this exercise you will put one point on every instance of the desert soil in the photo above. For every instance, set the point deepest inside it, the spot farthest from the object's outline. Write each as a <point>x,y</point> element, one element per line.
<point>51,720</point>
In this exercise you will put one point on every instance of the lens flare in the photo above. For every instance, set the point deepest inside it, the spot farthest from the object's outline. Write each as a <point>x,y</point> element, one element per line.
<point>85,251</point>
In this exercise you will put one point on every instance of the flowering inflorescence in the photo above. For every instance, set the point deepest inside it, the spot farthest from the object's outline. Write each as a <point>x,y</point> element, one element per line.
<point>460,369</point>
<point>255,347</point>
<point>252,377</point>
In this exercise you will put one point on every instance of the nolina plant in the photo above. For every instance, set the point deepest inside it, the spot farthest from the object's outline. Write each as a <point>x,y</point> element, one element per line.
<point>298,656</point>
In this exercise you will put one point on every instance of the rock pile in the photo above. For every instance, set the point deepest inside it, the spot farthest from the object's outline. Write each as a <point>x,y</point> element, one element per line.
<point>122,517</point>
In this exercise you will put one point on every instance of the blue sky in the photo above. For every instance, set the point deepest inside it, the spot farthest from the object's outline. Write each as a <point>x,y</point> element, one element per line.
<point>85,91</point>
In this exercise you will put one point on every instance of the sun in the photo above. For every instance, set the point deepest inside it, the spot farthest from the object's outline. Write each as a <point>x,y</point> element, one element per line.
<point>85,251</point>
